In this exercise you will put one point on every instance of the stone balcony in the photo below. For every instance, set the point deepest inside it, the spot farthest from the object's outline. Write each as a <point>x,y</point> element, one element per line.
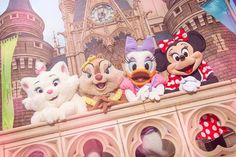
<point>176,116</point>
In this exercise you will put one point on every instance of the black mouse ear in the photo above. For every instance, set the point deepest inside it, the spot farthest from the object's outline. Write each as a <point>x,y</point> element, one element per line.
<point>197,41</point>
<point>161,60</point>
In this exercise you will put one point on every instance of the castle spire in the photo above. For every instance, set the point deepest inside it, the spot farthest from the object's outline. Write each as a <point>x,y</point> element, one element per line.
<point>20,24</point>
<point>19,5</point>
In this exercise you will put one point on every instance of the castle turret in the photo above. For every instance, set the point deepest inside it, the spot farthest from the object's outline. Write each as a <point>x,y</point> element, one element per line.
<point>19,18</point>
<point>221,49</point>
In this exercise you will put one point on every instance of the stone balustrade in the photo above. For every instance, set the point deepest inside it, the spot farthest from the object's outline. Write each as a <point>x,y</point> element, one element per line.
<point>176,117</point>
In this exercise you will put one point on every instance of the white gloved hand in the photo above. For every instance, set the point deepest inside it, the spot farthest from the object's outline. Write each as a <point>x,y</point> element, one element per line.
<point>189,84</point>
<point>143,93</point>
<point>131,97</point>
<point>27,104</point>
<point>50,115</point>
<point>157,92</point>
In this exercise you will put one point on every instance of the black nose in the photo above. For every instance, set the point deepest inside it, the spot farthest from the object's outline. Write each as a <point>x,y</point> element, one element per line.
<point>182,57</point>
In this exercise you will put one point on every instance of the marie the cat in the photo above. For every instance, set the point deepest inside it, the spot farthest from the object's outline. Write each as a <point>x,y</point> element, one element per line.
<point>52,95</point>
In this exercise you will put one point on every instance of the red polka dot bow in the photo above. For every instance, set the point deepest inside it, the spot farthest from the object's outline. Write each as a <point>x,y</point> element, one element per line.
<point>181,35</point>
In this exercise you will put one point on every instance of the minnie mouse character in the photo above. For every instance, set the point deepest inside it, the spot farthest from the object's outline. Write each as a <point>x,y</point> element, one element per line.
<point>183,59</point>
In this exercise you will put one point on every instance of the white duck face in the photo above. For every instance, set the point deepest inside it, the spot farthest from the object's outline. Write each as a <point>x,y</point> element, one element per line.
<point>140,67</point>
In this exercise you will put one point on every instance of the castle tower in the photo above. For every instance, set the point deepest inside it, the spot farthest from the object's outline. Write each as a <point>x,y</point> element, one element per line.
<point>101,26</point>
<point>19,18</point>
<point>221,49</point>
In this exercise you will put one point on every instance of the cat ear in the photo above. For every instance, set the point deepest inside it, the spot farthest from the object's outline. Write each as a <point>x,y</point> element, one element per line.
<point>62,67</point>
<point>26,83</point>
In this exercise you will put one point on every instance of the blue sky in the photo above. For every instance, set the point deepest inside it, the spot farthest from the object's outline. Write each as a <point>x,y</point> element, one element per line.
<point>49,11</point>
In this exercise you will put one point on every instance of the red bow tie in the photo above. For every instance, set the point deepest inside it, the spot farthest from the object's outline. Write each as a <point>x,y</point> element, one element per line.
<point>181,35</point>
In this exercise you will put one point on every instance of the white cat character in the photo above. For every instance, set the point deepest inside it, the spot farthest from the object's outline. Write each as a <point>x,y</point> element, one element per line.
<point>52,94</point>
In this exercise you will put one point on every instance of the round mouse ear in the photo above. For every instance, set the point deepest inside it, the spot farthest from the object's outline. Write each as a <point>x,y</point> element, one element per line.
<point>197,41</point>
<point>161,60</point>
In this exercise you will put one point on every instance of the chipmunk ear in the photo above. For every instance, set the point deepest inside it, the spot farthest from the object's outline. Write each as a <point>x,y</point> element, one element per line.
<point>161,60</point>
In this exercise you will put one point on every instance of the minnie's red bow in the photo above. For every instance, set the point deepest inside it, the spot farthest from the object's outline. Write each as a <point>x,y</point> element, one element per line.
<point>181,35</point>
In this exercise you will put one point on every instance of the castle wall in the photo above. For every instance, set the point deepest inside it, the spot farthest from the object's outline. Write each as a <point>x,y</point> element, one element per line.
<point>221,48</point>
<point>30,47</point>
<point>176,116</point>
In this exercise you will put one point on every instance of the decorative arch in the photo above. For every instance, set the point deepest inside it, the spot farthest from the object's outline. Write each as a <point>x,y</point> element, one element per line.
<point>166,129</point>
<point>227,118</point>
<point>124,30</point>
<point>118,48</point>
<point>94,44</point>
<point>91,36</point>
<point>26,151</point>
<point>109,144</point>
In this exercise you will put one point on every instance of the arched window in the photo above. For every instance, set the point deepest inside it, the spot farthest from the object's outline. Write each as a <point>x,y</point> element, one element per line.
<point>94,47</point>
<point>37,154</point>
<point>118,49</point>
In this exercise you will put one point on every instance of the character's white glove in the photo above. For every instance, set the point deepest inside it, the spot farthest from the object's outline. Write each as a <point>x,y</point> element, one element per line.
<point>50,115</point>
<point>157,92</point>
<point>143,92</point>
<point>131,96</point>
<point>27,104</point>
<point>189,84</point>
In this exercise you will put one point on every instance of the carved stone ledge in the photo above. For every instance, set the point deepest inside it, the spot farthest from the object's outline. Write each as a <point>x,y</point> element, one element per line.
<point>176,117</point>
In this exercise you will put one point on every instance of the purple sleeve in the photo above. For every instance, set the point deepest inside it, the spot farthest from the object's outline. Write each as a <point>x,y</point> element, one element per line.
<point>157,80</point>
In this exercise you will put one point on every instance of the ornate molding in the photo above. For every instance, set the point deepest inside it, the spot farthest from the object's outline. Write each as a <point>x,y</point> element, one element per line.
<point>119,130</point>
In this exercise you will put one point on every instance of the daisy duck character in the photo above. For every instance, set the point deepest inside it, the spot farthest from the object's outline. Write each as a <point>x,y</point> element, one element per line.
<point>183,59</point>
<point>142,81</point>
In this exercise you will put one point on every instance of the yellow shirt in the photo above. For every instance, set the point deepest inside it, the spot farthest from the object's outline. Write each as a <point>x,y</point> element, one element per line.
<point>92,102</point>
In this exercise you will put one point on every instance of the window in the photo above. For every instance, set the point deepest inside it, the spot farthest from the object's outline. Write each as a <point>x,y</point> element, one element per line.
<point>177,11</point>
<point>38,44</point>
<point>30,17</point>
<point>13,16</point>
<point>155,28</point>
<point>201,1</point>
<point>220,42</point>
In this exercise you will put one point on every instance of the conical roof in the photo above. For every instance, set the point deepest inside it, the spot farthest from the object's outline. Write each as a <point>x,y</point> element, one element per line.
<point>19,5</point>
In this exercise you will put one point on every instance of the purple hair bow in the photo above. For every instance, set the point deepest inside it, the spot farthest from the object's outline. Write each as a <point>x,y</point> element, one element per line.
<point>131,45</point>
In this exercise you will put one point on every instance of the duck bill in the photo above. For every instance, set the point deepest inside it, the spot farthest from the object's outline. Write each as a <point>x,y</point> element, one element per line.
<point>140,77</point>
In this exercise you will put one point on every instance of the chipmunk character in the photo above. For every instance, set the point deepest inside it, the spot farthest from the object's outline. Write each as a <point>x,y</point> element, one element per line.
<point>100,82</point>
<point>183,59</point>
<point>52,94</point>
<point>143,81</point>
